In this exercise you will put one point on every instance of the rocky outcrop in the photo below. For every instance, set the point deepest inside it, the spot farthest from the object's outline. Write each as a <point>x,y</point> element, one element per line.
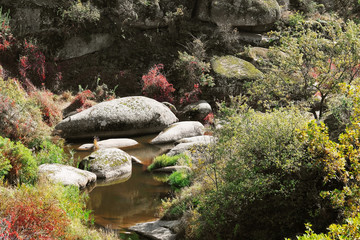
<point>120,117</point>
<point>77,46</point>
<point>239,13</point>
<point>178,131</point>
<point>109,143</point>
<point>157,230</point>
<point>66,175</point>
<point>108,163</point>
<point>196,111</point>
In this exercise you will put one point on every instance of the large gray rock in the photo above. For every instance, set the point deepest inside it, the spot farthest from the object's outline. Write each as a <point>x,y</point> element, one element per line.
<point>66,175</point>
<point>236,68</point>
<point>108,163</point>
<point>157,230</point>
<point>178,131</point>
<point>240,13</point>
<point>110,143</point>
<point>77,46</point>
<point>196,111</point>
<point>120,117</point>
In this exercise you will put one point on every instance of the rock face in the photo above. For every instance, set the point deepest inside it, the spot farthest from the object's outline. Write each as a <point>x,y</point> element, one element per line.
<point>110,143</point>
<point>77,46</point>
<point>233,67</point>
<point>108,163</point>
<point>178,131</point>
<point>240,13</point>
<point>119,117</point>
<point>158,230</point>
<point>67,175</point>
<point>196,111</point>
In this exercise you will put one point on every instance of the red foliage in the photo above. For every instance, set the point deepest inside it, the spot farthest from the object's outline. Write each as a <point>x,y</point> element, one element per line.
<point>156,86</point>
<point>209,119</point>
<point>50,112</point>
<point>80,102</point>
<point>192,96</point>
<point>6,232</point>
<point>12,125</point>
<point>32,61</point>
<point>37,219</point>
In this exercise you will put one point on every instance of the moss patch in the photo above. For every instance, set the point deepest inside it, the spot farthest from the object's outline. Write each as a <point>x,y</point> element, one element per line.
<point>233,67</point>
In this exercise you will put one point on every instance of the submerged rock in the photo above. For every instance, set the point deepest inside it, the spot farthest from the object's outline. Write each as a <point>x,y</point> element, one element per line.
<point>171,169</point>
<point>120,117</point>
<point>178,131</point>
<point>110,143</point>
<point>186,144</point>
<point>108,163</point>
<point>158,230</point>
<point>66,175</point>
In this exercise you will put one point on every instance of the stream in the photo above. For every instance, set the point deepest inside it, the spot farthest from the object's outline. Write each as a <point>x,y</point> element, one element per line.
<point>118,205</point>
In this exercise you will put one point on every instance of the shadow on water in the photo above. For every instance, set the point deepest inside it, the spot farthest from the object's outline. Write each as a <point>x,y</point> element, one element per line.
<point>121,204</point>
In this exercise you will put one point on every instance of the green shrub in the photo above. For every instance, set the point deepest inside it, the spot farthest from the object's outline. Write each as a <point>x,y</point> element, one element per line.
<point>82,12</point>
<point>179,179</point>
<point>47,211</point>
<point>50,153</point>
<point>20,116</point>
<point>23,165</point>
<point>264,179</point>
<point>165,161</point>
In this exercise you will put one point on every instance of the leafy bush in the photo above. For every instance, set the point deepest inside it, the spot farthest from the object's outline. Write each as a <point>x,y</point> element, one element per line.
<point>348,230</point>
<point>156,86</point>
<point>23,165</point>
<point>262,179</point>
<point>51,113</point>
<point>165,161</point>
<point>46,211</point>
<point>50,153</point>
<point>179,179</point>
<point>82,12</point>
<point>308,66</point>
<point>20,115</point>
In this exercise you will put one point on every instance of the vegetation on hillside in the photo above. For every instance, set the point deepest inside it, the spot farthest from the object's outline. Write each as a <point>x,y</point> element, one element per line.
<point>286,158</point>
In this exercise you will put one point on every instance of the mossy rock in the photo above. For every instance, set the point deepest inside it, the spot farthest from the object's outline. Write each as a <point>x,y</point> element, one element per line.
<point>233,67</point>
<point>108,163</point>
<point>241,13</point>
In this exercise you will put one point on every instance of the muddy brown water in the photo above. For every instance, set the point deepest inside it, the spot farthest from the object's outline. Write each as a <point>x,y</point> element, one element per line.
<point>120,204</point>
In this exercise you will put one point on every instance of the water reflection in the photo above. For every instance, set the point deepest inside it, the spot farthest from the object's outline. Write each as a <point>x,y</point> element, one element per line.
<point>125,204</point>
<point>118,205</point>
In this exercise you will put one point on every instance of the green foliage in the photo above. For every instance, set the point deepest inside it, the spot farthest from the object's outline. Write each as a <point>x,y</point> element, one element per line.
<point>165,161</point>
<point>4,21</point>
<point>180,179</point>
<point>82,12</point>
<point>47,211</point>
<point>316,58</point>
<point>50,153</point>
<point>191,70</point>
<point>348,230</point>
<point>264,179</point>
<point>296,19</point>
<point>23,165</point>
<point>20,115</point>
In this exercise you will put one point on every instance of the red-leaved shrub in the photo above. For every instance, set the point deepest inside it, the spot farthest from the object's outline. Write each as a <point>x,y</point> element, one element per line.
<point>35,218</point>
<point>80,102</point>
<point>156,86</point>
